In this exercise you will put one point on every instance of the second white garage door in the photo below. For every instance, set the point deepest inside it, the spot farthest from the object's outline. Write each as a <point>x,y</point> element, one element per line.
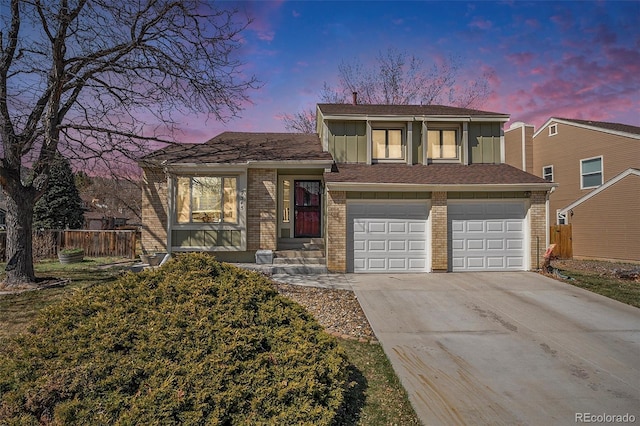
<point>387,237</point>
<point>487,236</point>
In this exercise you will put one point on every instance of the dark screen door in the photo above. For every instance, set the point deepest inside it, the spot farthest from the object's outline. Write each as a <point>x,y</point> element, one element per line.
<point>307,197</point>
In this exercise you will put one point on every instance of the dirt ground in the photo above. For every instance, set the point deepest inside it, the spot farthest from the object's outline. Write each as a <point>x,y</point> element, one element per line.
<point>599,267</point>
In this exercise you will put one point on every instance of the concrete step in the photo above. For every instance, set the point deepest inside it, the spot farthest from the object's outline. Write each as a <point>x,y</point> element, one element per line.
<point>300,243</point>
<point>299,261</point>
<point>299,269</point>
<point>298,253</point>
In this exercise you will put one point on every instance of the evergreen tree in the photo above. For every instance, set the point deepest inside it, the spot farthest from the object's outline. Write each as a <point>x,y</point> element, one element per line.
<point>60,207</point>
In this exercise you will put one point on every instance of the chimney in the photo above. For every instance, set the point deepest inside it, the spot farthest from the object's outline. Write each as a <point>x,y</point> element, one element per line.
<point>355,98</point>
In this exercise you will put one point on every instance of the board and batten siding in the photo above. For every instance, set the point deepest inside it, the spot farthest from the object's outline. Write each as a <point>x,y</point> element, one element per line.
<point>599,233</point>
<point>484,142</point>
<point>565,150</point>
<point>348,141</point>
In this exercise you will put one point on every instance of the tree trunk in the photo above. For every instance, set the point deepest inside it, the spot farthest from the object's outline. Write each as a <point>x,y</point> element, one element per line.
<point>19,221</point>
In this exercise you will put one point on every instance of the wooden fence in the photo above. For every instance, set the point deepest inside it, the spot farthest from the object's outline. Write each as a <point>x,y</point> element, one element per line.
<point>560,235</point>
<point>46,244</point>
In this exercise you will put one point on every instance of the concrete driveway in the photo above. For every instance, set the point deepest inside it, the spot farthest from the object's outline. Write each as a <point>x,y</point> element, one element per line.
<point>505,348</point>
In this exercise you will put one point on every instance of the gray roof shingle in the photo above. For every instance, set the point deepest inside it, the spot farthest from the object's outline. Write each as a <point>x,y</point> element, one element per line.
<point>432,174</point>
<point>241,147</point>
<point>428,110</point>
<point>618,127</point>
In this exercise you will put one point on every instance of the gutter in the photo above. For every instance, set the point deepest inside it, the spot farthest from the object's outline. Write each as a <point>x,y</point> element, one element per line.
<point>395,187</point>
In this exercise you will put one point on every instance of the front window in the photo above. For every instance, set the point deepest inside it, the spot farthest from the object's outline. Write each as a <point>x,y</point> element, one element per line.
<point>590,172</point>
<point>387,144</point>
<point>553,130</point>
<point>547,173</point>
<point>206,199</point>
<point>443,144</point>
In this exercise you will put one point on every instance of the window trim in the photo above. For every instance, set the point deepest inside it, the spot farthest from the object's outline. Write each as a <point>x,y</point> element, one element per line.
<point>601,172</point>
<point>553,129</point>
<point>545,174</point>
<point>403,144</point>
<point>219,222</point>
<point>440,128</point>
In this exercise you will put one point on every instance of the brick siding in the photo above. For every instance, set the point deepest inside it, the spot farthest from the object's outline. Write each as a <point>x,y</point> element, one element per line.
<point>154,210</point>
<point>439,236</point>
<point>262,218</point>
<point>337,231</point>
<point>538,226</point>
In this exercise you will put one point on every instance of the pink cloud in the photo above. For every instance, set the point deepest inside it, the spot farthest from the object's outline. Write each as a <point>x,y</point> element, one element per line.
<point>520,59</point>
<point>296,14</point>
<point>532,23</point>
<point>480,23</point>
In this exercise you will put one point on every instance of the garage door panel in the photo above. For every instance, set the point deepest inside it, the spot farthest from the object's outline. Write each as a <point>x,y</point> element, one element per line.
<point>398,246</point>
<point>515,244</point>
<point>495,244</point>
<point>397,227</point>
<point>376,263</point>
<point>515,262</point>
<point>392,237</point>
<point>417,227</point>
<point>417,246</point>
<point>495,262</point>
<point>515,226</point>
<point>475,262</point>
<point>377,246</point>
<point>495,226</point>
<point>398,264</point>
<point>475,226</point>
<point>475,244</point>
<point>377,227</point>
<point>487,236</point>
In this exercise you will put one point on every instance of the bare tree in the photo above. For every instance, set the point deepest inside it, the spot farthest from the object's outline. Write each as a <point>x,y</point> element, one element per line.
<point>78,76</point>
<point>397,79</point>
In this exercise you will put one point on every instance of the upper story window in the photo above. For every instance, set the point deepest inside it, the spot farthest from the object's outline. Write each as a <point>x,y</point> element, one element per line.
<point>590,172</point>
<point>547,173</point>
<point>443,144</point>
<point>387,144</point>
<point>553,129</point>
<point>206,199</point>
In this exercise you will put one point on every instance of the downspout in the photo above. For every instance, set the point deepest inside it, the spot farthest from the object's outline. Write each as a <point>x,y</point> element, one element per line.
<point>170,206</point>
<point>524,151</point>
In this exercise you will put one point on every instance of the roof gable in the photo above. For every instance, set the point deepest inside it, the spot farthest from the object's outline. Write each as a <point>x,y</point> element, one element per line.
<point>599,126</point>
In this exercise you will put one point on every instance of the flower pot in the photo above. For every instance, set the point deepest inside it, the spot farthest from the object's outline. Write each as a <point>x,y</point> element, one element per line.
<point>74,256</point>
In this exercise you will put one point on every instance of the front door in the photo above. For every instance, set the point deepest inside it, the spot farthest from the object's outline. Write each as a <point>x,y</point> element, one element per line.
<point>307,207</point>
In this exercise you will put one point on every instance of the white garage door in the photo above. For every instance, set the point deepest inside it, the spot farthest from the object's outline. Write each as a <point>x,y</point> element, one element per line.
<point>387,237</point>
<point>487,236</point>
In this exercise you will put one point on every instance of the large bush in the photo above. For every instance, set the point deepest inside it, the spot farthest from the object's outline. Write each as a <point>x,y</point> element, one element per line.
<point>195,342</point>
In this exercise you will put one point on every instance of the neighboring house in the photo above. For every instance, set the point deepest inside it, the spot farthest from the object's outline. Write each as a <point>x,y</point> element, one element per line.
<point>386,188</point>
<point>597,168</point>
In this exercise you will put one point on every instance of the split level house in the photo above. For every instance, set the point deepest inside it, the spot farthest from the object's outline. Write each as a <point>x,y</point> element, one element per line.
<point>384,188</point>
<point>597,168</point>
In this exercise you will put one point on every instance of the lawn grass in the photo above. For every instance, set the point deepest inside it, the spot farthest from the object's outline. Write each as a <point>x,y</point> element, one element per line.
<point>375,395</point>
<point>18,310</point>
<point>375,388</point>
<point>625,291</point>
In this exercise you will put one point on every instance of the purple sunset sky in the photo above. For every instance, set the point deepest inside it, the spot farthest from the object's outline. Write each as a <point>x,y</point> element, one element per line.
<point>570,59</point>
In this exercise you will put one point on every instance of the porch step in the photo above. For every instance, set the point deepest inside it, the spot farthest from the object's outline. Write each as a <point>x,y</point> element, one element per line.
<point>299,269</point>
<point>301,244</point>
<point>291,254</point>
<point>299,261</point>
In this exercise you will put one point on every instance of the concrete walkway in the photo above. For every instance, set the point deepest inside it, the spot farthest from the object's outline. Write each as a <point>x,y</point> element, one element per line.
<point>505,348</point>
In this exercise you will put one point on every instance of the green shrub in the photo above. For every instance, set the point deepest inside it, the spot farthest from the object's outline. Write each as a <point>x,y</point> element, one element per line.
<point>193,342</point>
